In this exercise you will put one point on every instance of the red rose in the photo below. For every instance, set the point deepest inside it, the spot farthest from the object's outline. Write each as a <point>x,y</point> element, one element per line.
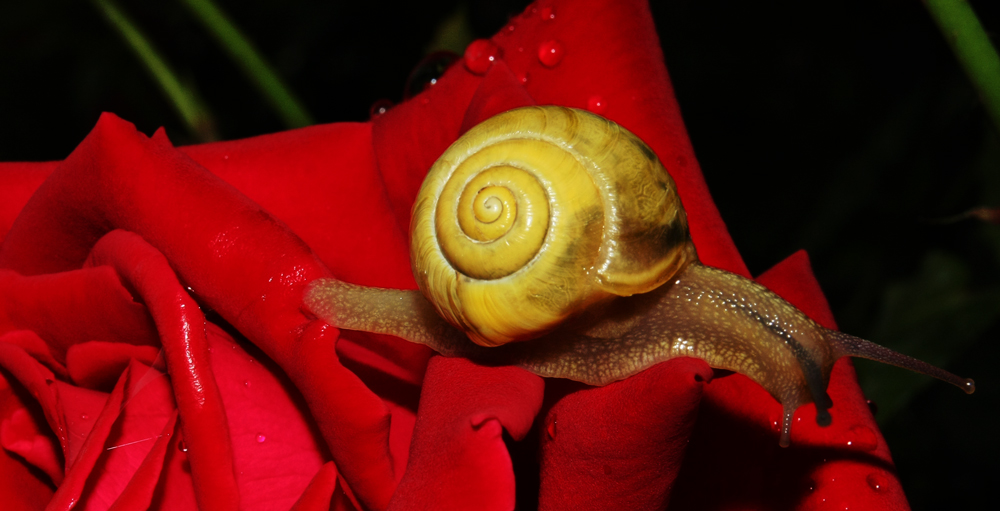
<point>108,266</point>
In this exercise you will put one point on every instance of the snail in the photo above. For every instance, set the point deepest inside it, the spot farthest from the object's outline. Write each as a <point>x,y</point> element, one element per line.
<point>554,240</point>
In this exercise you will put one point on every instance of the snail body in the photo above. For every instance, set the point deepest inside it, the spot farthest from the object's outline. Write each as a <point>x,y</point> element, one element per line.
<point>554,240</point>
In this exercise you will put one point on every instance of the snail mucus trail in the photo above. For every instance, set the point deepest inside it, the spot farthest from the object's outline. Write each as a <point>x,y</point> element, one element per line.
<point>554,240</point>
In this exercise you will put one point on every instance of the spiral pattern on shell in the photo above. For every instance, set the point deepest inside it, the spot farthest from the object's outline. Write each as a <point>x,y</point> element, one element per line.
<point>537,213</point>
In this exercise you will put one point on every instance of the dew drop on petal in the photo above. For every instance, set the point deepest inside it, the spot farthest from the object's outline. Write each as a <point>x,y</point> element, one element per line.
<point>547,14</point>
<point>523,77</point>
<point>550,53</point>
<point>379,107</point>
<point>480,56</point>
<point>862,437</point>
<point>597,104</point>
<point>261,438</point>
<point>428,71</point>
<point>84,417</point>
<point>182,447</point>
<point>509,29</point>
<point>246,383</point>
<point>872,406</point>
<point>877,482</point>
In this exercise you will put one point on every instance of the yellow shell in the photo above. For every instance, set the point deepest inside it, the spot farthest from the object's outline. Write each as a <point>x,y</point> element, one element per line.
<point>537,213</point>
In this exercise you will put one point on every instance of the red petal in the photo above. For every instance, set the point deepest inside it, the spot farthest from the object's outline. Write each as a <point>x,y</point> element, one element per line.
<point>276,450</point>
<point>18,181</point>
<point>181,326</point>
<point>72,307</point>
<point>21,489</point>
<point>621,446</point>
<point>138,493</point>
<point>68,493</point>
<point>147,407</point>
<point>239,260</point>
<point>97,364</point>
<point>458,459</point>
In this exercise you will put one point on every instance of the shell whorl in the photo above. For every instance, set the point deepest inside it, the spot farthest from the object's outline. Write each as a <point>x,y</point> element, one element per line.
<point>537,213</point>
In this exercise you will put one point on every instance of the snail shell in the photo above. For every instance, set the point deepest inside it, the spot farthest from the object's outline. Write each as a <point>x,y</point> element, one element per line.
<point>538,213</point>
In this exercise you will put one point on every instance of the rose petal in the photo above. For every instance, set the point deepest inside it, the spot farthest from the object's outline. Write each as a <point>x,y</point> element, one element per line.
<point>18,181</point>
<point>620,446</point>
<point>458,459</point>
<point>238,259</point>
<point>97,364</point>
<point>276,451</point>
<point>181,327</point>
<point>21,488</point>
<point>147,406</point>
<point>138,493</point>
<point>73,307</point>
<point>69,491</point>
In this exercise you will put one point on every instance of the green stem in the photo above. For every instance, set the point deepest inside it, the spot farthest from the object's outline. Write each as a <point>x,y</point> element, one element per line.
<point>198,121</point>
<point>243,52</point>
<point>961,28</point>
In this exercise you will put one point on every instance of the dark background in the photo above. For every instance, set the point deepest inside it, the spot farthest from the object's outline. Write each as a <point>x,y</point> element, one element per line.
<point>842,127</point>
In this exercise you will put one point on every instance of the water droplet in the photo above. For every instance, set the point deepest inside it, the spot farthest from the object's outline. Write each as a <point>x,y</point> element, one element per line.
<point>551,53</point>
<point>84,417</point>
<point>547,14</point>
<point>425,100</point>
<point>872,406</point>
<point>597,104</point>
<point>261,438</point>
<point>550,429</point>
<point>379,107</point>
<point>182,447</point>
<point>877,482</point>
<point>225,157</point>
<point>480,55</point>
<point>509,29</point>
<point>246,383</point>
<point>682,161</point>
<point>523,77</point>
<point>862,437</point>
<point>428,71</point>
<point>810,485</point>
<point>775,423</point>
